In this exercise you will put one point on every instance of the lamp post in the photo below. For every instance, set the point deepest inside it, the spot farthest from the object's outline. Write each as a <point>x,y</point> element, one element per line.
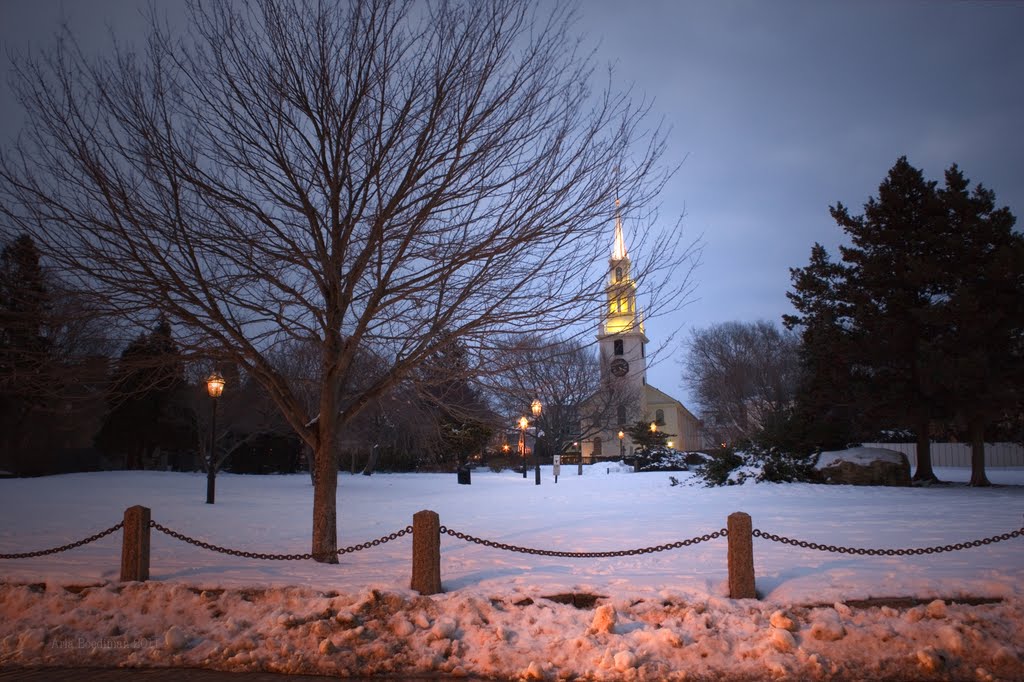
<point>579,453</point>
<point>622,445</point>
<point>523,423</point>
<point>536,408</point>
<point>214,386</point>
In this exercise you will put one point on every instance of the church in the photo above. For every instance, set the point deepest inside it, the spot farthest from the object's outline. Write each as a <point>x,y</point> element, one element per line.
<point>625,396</point>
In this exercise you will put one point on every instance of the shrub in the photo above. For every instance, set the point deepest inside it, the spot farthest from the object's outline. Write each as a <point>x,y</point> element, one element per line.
<point>762,465</point>
<point>717,470</point>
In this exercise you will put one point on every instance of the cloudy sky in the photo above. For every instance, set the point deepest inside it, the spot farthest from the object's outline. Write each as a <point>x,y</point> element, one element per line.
<point>777,110</point>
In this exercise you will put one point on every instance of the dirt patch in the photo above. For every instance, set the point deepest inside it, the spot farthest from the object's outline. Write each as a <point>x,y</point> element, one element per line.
<point>910,602</point>
<point>580,601</point>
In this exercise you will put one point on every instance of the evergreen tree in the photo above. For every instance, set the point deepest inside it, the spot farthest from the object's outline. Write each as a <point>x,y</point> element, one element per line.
<point>146,400</point>
<point>24,342</point>
<point>924,305</point>
<point>648,440</point>
<point>981,311</point>
<point>464,421</point>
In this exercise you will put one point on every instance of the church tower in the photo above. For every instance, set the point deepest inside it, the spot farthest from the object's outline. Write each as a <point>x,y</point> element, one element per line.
<point>625,397</point>
<point>621,339</point>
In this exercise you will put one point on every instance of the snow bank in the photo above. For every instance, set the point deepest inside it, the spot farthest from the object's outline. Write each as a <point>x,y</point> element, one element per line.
<point>670,637</point>
<point>656,616</point>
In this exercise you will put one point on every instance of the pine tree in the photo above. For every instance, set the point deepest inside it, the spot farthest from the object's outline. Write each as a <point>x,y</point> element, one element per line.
<point>145,400</point>
<point>24,343</point>
<point>982,312</point>
<point>921,321</point>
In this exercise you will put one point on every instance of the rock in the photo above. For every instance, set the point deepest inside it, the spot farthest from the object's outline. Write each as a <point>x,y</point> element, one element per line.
<point>175,638</point>
<point>327,647</point>
<point>782,620</point>
<point>863,466</point>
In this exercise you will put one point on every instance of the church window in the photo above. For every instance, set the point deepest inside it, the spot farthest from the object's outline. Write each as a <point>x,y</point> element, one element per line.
<point>618,274</point>
<point>643,354</point>
<point>618,347</point>
<point>622,415</point>
<point>659,416</point>
<point>618,304</point>
<point>597,446</point>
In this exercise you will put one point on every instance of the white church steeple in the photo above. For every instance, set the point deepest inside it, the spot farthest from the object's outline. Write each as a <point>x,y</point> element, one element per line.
<point>621,336</point>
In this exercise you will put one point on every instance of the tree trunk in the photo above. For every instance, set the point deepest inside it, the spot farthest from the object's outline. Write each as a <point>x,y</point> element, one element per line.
<point>371,462</point>
<point>325,509</point>
<point>924,471</point>
<point>976,427</point>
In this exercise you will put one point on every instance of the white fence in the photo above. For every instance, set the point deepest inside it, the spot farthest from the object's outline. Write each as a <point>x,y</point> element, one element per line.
<point>959,454</point>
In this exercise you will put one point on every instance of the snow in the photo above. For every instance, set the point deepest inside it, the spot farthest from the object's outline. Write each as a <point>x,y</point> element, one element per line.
<point>860,455</point>
<point>658,616</point>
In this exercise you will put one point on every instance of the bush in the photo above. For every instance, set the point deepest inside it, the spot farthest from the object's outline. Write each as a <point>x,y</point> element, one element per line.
<point>667,459</point>
<point>757,463</point>
<point>717,470</point>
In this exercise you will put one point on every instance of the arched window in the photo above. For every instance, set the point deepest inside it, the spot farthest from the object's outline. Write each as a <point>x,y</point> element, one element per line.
<point>618,347</point>
<point>597,446</point>
<point>659,416</point>
<point>618,274</point>
<point>622,415</point>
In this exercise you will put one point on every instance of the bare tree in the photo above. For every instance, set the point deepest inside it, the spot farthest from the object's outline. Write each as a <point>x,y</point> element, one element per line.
<point>566,377</point>
<point>377,175</point>
<point>741,373</point>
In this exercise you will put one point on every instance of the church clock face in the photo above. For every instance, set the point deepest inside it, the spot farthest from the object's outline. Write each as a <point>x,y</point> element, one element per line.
<point>620,367</point>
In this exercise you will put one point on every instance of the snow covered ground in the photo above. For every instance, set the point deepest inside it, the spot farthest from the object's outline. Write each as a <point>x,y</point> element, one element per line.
<point>659,616</point>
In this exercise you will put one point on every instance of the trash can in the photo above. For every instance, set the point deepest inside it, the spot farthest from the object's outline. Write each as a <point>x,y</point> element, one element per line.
<point>464,476</point>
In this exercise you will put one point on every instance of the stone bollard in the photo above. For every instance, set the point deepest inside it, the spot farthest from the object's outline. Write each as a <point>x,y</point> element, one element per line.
<point>426,552</point>
<point>741,556</point>
<point>135,544</point>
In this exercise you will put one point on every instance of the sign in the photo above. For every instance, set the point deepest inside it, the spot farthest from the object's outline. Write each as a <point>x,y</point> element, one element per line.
<point>557,465</point>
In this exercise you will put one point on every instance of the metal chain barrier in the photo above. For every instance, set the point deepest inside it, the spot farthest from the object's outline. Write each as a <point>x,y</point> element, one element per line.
<point>64,548</point>
<point>276,557</point>
<point>917,551</point>
<point>584,555</point>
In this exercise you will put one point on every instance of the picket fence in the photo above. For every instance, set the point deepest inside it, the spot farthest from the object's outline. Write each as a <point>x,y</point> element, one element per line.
<point>959,454</point>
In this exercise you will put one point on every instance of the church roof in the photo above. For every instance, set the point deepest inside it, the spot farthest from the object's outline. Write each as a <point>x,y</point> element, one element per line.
<point>655,396</point>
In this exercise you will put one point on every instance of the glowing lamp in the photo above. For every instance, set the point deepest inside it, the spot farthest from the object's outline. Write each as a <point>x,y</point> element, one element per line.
<point>215,385</point>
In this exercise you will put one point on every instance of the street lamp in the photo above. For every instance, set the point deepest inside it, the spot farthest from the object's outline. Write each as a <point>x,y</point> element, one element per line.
<point>214,386</point>
<point>622,445</point>
<point>523,423</point>
<point>536,408</point>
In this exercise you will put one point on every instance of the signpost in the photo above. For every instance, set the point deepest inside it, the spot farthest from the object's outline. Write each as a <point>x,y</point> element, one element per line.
<point>557,465</point>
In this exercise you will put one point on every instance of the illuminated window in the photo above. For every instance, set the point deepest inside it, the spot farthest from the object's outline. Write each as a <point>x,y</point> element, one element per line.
<point>618,347</point>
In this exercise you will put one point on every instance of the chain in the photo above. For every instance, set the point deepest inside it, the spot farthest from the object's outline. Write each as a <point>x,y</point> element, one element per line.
<point>916,551</point>
<point>64,548</point>
<point>276,557</point>
<point>584,555</point>
<point>377,542</point>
